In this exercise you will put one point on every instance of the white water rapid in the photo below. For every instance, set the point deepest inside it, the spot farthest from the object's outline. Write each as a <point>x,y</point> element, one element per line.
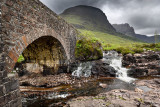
<point>83,70</point>
<point>115,61</point>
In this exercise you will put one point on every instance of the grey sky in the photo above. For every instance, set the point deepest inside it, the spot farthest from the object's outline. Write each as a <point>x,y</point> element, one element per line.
<point>143,15</point>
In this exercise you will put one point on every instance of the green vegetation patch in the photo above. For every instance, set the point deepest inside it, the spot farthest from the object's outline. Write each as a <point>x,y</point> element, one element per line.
<point>117,43</point>
<point>20,59</point>
<point>133,48</point>
<point>88,48</point>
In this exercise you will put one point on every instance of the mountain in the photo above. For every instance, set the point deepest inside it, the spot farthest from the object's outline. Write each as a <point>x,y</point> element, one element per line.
<point>128,30</point>
<point>87,17</point>
<point>93,19</point>
<point>148,39</point>
<point>125,29</point>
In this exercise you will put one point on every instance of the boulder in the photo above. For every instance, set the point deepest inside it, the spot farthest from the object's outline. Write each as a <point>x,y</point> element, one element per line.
<point>143,64</point>
<point>103,69</point>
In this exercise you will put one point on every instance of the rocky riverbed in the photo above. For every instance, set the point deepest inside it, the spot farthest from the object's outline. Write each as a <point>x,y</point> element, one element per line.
<point>143,64</point>
<point>99,83</point>
<point>146,94</point>
<point>38,80</point>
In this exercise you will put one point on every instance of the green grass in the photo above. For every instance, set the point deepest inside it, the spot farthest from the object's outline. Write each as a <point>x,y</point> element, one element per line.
<point>106,38</point>
<point>75,20</point>
<point>86,23</point>
<point>122,45</point>
<point>20,59</point>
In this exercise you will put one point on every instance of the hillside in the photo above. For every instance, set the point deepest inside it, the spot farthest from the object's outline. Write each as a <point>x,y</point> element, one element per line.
<point>94,20</point>
<point>87,17</point>
<point>108,39</point>
<point>128,30</point>
<point>124,29</point>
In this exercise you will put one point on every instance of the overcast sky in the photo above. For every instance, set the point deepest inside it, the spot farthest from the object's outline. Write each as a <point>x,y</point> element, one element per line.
<point>143,15</point>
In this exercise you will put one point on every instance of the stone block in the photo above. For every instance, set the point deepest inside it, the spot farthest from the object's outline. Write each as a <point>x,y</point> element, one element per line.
<point>16,103</point>
<point>7,17</point>
<point>8,87</point>
<point>2,66</point>
<point>2,101</point>
<point>24,39</point>
<point>7,105</point>
<point>1,91</point>
<point>6,79</point>
<point>14,85</point>
<point>4,9</point>
<point>9,2</point>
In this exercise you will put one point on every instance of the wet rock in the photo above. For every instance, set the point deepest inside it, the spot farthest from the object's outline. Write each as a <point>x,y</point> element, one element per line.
<point>145,96</point>
<point>39,80</point>
<point>103,85</point>
<point>143,89</point>
<point>144,64</point>
<point>100,68</point>
<point>20,68</point>
<point>62,69</point>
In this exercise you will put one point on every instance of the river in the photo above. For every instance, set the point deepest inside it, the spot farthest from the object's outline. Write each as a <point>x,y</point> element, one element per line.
<point>48,97</point>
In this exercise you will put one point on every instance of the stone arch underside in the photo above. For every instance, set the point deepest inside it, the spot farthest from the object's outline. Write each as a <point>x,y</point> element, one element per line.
<point>46,52</point>
<point>22,22</point>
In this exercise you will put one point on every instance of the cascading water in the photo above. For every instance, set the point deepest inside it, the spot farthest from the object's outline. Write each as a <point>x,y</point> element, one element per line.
<point>83,70</point>
<point>115,61</point>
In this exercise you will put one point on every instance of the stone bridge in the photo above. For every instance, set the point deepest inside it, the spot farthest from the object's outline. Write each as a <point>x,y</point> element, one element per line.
<point>21,23</point>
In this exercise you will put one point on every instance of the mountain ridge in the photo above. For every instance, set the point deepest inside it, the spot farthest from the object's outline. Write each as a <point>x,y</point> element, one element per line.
<point>93,18</point>
<point>129,30</point>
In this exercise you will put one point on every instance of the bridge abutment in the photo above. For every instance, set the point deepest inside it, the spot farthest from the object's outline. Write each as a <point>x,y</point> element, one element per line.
<point>21,23</point>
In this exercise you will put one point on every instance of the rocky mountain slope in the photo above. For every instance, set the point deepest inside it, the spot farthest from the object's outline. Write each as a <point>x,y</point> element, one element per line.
<point>128,30</point>
<point>125,29</point>
<point>87,17</point>
<point>93,19</point>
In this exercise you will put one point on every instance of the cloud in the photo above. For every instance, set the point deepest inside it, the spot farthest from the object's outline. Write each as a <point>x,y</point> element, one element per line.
<point>60,5</point>
<point>143,15</point>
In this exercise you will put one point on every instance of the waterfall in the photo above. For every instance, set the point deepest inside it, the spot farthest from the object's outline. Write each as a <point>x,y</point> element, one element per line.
<point>115,61</point>
<point>83,70</point>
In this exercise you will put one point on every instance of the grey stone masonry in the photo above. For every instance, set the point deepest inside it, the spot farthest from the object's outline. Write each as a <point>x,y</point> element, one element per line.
<point>21,23</point>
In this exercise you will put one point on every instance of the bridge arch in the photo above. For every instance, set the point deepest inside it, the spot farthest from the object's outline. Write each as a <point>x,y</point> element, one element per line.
<point>46,51</point>
<point>22,22</point>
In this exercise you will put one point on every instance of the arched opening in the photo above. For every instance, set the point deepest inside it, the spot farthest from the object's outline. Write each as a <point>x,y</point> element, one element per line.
<point>37,66</point>
<point>45,55</point>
